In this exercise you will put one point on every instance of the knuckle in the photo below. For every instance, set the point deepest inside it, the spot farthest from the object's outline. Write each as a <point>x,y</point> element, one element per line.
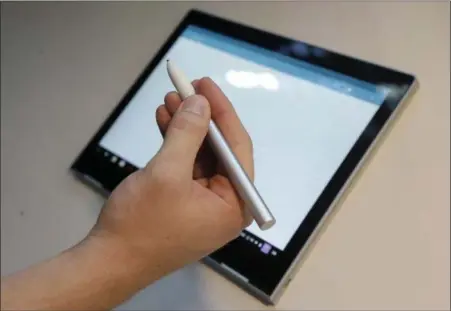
<point>187,121</point>
<point>205,82</point>
<point>165,174</point>
<point>250,143</point>
<point>188,124</point>
<point>170,94</point>
<point>159,110</point>
<point>240,223</point>
<point>179,123</point>
<point>247,220</point>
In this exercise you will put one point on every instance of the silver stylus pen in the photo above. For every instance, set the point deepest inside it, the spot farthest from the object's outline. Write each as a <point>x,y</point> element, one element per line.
<point>240,180</point>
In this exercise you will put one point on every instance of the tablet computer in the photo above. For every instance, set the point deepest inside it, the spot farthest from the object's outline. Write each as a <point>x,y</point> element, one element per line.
<point>313,115</point>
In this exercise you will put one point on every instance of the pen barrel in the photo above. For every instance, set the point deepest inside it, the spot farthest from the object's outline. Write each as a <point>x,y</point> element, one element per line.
<point>239,178</point>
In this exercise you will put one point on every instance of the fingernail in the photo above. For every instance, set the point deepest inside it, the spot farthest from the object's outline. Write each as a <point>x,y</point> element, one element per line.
<point>195,104</point>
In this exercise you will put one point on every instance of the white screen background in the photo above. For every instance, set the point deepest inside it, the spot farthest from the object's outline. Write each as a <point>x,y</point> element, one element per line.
<point>301,132</point>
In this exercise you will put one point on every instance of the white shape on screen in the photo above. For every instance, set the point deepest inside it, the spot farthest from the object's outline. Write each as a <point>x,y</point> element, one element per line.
<point>248,80</point>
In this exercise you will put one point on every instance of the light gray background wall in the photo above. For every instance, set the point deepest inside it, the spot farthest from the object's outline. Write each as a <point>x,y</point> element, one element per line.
<point>64,66</point>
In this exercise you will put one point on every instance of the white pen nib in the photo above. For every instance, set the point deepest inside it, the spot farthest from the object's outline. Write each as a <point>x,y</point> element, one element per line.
<point>180,81</point>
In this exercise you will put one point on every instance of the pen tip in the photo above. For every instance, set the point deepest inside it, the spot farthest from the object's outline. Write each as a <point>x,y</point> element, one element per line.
<point>167,60</point>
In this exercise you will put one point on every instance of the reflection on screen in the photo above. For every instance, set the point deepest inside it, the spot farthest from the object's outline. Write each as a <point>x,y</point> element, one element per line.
<point>302,119</point>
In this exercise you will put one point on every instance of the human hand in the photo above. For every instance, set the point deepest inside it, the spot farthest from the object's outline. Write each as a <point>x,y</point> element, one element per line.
<point>181,206</point>
<point>176,210</point>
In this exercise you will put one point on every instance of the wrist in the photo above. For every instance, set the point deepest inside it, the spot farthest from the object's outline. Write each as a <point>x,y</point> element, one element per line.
<point>126,262</point>
<point>115,263</point>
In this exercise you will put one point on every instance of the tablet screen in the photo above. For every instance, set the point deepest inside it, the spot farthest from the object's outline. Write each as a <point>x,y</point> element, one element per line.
<point>303,119</point>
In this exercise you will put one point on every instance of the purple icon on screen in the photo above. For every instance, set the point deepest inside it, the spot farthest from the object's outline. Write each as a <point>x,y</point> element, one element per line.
<point>266,248</point>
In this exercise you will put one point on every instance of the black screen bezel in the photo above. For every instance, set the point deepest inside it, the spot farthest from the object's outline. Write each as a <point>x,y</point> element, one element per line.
<point>262,271</point>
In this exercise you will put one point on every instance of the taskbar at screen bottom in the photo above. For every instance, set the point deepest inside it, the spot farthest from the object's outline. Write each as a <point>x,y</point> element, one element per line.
<point>264,247</point>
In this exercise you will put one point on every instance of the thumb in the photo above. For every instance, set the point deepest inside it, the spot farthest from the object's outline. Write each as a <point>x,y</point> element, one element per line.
<point>186,132</point>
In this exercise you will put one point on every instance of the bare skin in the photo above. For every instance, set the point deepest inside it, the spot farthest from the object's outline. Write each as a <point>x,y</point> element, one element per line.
<point>176,210</point>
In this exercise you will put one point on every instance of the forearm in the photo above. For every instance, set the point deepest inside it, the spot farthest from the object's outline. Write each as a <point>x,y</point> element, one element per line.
<point>91,275</point>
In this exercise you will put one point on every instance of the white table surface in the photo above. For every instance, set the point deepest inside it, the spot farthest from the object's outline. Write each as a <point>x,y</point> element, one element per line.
<point>64,66</point>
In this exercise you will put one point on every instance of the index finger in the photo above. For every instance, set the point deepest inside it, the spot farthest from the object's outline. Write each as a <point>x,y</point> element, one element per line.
<point>226,118</point>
